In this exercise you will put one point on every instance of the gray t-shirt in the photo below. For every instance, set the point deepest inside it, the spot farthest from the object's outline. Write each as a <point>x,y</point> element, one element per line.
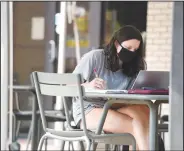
<point>95,59</point>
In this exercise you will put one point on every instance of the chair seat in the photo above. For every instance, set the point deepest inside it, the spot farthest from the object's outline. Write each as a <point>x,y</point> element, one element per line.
<point>23,115</point>
<point>51,116</point>
<point>55,118</point>
<point>73,133</point>
<point>115,139</point>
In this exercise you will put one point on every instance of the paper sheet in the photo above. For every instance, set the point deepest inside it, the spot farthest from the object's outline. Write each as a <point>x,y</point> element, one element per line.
<point>109,91</point>
<point>37,28</point>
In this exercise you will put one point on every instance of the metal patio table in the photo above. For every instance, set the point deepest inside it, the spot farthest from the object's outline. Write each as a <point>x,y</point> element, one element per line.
<point>34,122</point>
<point>133,99</point>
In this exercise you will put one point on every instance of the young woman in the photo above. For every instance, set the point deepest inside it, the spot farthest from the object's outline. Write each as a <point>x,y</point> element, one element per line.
<point>116,65</point>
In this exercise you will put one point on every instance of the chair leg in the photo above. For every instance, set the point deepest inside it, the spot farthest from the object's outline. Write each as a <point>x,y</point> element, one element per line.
<point>68,146</point>
<point>39,128</point>
<point>88,145</point>
<point>62,145</point>
<point>118,147</point>
<point>46,140</point>
<point>114,147</point>
<point>14,127</point>
<point>72,146</point>
<point>41,143</point>
<point>29,138</point>
<point>18,124</point>
<point>107,147</point>
<point>62,141</point>
<point>78,145</point>
<point>93,146</point>
<point>82,145</point>
<point>46,143</point>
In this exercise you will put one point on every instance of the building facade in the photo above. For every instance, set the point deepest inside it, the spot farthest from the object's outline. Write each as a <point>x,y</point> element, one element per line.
<point>159,35</point>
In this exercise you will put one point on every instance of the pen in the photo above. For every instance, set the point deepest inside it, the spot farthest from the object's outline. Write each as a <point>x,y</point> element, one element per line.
<point>96,75</point>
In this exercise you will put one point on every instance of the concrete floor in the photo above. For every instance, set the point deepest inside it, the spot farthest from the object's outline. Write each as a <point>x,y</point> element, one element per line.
<point>52,146</point>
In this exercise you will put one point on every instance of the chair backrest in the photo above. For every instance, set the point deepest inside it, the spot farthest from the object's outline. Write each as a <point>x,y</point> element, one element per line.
<point>54,84</point>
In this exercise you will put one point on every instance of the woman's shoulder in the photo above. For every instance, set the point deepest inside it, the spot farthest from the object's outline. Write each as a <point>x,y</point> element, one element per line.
<point>95,53</point>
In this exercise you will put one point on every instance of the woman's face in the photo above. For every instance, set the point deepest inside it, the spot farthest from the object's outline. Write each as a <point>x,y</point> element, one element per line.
<point>132,45</point>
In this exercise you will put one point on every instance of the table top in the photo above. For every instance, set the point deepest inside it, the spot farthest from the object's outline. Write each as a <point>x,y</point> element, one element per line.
<point>104,95</point>
<point>127,96</point>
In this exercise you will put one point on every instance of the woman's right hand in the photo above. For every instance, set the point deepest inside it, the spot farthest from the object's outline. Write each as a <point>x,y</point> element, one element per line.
<point>98,83</point>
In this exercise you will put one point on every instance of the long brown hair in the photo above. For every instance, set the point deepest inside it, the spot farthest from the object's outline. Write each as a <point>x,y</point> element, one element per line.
<point>111,59</point>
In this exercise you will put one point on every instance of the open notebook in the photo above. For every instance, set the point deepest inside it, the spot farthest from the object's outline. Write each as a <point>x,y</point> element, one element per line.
<point>107,91</point>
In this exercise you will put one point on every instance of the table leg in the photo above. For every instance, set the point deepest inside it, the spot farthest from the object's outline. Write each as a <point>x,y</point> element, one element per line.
<point>101,123</point>
<point>152,126</point>
<point>157,143</point>
<point>157,103</point>
<point>34,142</point>
<point>103,117</point>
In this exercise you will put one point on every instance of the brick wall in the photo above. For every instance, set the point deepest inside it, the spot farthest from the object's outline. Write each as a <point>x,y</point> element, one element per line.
<point>158,39</point>
<point>158,35</point>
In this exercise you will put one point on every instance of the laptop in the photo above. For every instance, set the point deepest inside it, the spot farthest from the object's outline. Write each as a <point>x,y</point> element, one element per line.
<point>152,79</point>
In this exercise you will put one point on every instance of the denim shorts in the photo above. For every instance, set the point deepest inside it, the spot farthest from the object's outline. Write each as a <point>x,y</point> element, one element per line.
<point>88,106</point>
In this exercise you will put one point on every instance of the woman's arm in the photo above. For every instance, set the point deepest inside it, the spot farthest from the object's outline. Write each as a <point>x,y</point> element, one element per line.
<point>86,68</point>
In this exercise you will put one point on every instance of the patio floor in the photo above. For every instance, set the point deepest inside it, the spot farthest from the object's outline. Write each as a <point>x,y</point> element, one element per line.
<point>51,145</point>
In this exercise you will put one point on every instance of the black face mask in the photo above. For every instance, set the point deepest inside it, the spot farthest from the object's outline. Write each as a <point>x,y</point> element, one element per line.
<point>126,55</point>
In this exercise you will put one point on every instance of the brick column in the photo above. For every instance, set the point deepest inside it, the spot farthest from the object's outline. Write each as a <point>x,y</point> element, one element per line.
<point>158,35</point>
<point>158,39</point>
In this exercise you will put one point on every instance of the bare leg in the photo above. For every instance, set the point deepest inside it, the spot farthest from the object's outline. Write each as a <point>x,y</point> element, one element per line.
<point>133,119</point>
<point>112,123</point>
<point>115,122</point>
<point>140,123</point>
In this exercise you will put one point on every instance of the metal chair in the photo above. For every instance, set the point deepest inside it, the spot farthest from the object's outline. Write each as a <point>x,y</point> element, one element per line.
<point>163,126</point>
<point>26,115</point>
<point>69,85</point>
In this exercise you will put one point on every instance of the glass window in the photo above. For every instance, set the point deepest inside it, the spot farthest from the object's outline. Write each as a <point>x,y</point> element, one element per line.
<point>82,23</point>
<point>124,13</point>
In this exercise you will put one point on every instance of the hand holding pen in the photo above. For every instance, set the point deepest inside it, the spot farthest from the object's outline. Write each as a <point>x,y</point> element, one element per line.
<point>97,83</point>
<point>95,72</point>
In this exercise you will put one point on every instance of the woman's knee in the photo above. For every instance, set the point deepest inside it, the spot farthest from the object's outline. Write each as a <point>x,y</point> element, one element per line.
<point>137,112</point>
<point>117,123</point>
<point>141,115</point>
<point>97,113</point>
<point>113,121</point>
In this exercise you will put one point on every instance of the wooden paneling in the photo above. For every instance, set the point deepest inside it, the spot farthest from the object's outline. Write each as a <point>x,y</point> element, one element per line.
<point>28,54</point>
<point>27,61</point>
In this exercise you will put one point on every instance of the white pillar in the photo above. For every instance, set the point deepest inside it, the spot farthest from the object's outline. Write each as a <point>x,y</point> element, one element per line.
<point>61,57</point>
<point>10,40</point>
<point>4,74</point>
